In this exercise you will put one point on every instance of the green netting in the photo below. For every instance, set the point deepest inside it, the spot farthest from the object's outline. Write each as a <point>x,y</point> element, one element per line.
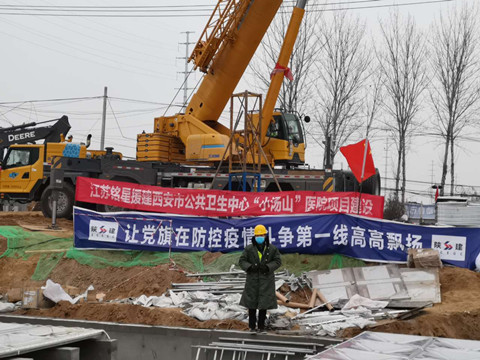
<point>191,261</point>
<point>45,265</point>
<point>223,262</point>
<point>23,244</point>
<point>295,263</point>
<point>298,263</point>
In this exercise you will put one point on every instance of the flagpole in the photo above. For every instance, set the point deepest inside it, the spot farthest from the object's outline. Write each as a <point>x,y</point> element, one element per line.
<point>363,174</point>
<point>369,122</point>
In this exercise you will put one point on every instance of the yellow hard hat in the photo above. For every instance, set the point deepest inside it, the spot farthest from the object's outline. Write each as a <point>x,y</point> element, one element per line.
<point>260,230</point>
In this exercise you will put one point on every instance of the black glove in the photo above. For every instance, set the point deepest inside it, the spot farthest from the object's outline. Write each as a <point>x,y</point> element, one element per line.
<point>264,269</point>
<point>252,268</point>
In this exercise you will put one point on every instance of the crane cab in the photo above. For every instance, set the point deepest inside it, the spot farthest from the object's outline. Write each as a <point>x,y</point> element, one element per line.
<point>285,140</point>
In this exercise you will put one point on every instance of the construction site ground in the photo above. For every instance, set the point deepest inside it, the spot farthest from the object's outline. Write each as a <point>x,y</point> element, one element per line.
<point>458,316</point>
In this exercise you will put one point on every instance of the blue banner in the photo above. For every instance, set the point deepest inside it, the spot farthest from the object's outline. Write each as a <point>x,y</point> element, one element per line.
<point>367,239</point>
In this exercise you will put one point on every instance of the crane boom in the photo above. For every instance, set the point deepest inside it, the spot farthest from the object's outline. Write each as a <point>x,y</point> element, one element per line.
<point>282,65</point>
<point>220,29</point>
<point>228,50</point>
<point>226,46</point>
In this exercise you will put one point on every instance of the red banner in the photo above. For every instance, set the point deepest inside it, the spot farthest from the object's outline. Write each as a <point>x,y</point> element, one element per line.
<point>224,203</point>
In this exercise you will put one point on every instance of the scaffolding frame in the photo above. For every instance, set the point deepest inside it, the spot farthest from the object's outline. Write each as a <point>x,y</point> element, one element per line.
<point>244,149</point>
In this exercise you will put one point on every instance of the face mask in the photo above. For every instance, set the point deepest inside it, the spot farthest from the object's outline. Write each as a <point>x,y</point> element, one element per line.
<point>260,240</point>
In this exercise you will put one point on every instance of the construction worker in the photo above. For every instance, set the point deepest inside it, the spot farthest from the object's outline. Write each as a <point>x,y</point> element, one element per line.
<point>259,259</point>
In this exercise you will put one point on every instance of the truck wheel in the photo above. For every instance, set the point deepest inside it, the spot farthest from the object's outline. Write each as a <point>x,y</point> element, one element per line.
<point>66,199</point>
<point>112,208</point>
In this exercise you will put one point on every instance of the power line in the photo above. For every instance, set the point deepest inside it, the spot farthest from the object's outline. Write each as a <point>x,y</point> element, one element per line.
<point>116,120</point>
<point>182,12</point>
<point>51,100</point>
<point>111,6</point>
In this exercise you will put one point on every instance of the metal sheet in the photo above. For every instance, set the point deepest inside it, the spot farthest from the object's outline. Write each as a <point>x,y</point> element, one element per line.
<point>382,282</point>
<point>379,346</point>
<point>334,284</point>
<point>422,284</point>
<point>458,214</point>
<point>17,339</point>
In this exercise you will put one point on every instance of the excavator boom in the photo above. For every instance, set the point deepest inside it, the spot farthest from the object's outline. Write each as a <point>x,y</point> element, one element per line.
<point>29,133</point>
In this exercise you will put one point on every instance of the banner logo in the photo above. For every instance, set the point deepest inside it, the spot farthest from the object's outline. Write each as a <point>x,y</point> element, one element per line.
<point>450,247</point>
<point>103,231</point>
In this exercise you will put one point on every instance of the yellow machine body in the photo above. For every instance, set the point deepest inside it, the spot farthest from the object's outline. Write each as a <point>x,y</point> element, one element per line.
<point>24,164</point>
<point>223,52</point>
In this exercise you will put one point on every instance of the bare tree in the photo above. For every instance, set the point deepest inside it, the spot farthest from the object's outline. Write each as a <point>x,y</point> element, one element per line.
<point>294,95</point>
<point>402,60</point>
<point>373,99</point>
<point>342,69</point>
<point>455,92</point>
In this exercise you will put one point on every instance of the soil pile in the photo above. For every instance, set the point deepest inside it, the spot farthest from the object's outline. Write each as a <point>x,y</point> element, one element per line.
<point>32,219</point>
<point>458,316</point>
<point>131,314</point>
<point>118,283</point>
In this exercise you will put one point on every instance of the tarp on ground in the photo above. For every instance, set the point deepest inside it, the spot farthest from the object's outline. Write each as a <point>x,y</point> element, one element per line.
<point>354,236</point>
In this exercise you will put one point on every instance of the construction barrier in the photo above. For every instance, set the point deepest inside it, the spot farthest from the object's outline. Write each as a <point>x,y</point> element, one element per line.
<point>354,236</point>
<point>225,203</point>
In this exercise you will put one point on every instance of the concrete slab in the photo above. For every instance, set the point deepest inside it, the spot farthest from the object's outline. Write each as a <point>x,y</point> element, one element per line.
<point>161,342</point>
<point>17,339</point>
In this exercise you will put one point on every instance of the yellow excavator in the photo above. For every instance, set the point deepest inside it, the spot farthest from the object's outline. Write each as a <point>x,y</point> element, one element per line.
<point>223,53</point>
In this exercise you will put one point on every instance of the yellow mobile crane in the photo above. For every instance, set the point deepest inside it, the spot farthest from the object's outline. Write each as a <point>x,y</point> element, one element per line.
<point>165,156</point>
<point>223,52</point>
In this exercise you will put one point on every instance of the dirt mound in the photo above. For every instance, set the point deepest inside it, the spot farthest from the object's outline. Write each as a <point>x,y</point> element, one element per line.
<point>457,316</point>
<point>34,218</point>
<point>210,257</point>
<point>460,290</point>
<point>131,314</point>
<point>16,273</point>
<point>118,283</point>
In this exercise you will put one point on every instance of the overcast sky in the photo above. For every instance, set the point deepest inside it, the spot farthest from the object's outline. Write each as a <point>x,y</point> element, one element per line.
<point>137,58</point>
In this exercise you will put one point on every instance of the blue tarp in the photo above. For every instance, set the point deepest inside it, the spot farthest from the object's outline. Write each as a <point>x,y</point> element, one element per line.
<point>358,237</point>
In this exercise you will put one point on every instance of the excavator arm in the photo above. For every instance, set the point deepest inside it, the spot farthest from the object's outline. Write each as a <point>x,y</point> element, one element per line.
<point>29,133</point>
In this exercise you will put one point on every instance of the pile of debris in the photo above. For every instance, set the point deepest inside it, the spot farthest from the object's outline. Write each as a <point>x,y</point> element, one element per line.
<point>353,297</point>
<point>316,303</point>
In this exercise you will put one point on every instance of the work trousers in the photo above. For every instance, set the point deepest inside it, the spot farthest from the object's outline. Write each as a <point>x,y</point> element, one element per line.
<point>252,319</point>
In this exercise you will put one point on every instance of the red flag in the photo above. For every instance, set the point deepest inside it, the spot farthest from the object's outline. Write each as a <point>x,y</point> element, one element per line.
<point>279,68</point>
<point>354,155</point>
<point>436,194</point>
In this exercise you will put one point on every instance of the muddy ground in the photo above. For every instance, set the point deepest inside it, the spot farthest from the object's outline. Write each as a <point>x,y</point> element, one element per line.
<point>458,316</point>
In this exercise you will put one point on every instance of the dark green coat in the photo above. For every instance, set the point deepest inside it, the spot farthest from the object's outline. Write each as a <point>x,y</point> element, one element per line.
<point>259,292</point>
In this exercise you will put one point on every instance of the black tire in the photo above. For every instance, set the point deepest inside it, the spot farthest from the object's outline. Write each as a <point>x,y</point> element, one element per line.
<point>66,199</point>
<point>112,208</point>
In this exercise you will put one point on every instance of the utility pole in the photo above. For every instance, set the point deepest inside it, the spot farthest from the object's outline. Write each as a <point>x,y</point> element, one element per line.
<point>386,167</point>
<point>431,180</point>
<point>185,73</point>
<point>104,119</point>
<point>327,162</point>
